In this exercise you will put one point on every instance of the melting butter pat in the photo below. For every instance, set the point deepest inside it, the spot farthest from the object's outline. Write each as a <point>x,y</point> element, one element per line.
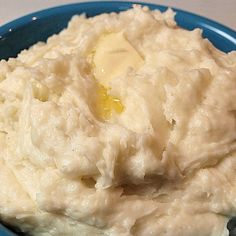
<point>107,104</point>
<point>113,56</point>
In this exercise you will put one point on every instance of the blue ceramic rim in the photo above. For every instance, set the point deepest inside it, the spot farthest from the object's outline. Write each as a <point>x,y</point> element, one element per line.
<point>220,29</point>
<point>4,231</point>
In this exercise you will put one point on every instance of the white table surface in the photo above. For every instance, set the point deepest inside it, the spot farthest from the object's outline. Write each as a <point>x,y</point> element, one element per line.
<point>223,11</point>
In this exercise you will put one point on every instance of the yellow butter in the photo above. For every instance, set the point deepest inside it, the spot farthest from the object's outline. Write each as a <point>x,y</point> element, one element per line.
<point>114,55</point>
<point>107,104</point>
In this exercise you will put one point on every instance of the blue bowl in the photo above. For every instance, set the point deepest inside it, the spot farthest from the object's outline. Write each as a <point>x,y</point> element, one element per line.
<point>25,31</point>
<point>6,232</point>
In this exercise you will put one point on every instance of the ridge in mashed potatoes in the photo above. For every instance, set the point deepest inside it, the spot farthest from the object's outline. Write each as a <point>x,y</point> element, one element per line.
<point>96,143</point>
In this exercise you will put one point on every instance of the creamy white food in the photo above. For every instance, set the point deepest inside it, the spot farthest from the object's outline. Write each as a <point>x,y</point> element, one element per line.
<point>122,124</point>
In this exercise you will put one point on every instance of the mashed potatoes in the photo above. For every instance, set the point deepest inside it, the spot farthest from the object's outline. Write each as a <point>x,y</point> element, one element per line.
<point>123,124</point>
